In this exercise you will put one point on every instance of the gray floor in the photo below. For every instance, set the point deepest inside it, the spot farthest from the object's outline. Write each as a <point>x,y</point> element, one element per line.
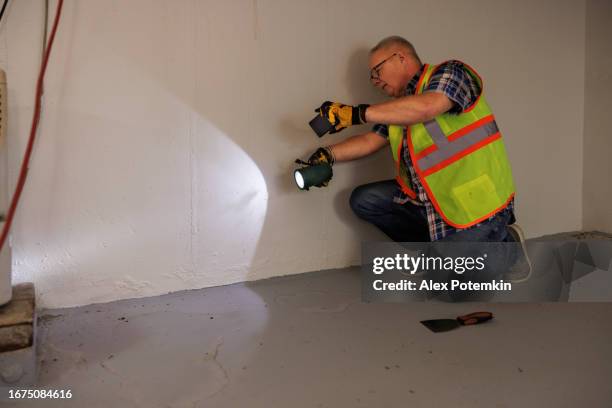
<point>308,341</point>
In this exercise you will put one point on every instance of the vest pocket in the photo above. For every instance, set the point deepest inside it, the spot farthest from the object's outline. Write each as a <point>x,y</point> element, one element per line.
<point>475,196</point>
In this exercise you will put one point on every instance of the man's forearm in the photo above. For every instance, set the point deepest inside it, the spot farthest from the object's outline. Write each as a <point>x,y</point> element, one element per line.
<point>409,110</point>
<point>357,146</point>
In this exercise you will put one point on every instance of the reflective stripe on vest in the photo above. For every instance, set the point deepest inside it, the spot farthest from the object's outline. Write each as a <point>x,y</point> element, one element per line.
<point>449,147</point>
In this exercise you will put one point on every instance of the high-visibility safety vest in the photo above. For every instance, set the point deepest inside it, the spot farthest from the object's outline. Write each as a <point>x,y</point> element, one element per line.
<point>460,160</point>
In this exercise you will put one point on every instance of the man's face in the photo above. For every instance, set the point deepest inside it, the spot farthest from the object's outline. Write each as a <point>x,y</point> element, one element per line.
<point>388,71</point>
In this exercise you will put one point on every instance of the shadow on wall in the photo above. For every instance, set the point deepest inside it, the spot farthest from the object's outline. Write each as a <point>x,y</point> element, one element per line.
<point>373,168</point>
<point>360,89</point>
<point>357,79</point>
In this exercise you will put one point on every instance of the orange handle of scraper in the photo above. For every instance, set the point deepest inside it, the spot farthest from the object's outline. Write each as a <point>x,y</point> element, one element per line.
<point>475,318</point>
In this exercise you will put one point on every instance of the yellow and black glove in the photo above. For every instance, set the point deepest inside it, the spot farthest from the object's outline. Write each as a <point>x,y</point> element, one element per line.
<point>322,155</point>
<point>342,116</point>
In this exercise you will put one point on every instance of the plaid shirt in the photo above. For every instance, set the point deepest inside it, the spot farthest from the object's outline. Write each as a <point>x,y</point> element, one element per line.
<point>454,81</point>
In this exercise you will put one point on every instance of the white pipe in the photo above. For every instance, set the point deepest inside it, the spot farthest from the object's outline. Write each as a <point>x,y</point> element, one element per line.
<point>5,255</point>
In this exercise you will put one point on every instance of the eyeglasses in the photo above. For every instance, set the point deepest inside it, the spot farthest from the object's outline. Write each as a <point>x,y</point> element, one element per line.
<point>375,71</point>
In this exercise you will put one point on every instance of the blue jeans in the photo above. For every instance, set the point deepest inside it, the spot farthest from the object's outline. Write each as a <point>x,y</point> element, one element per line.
<point>407,222</point>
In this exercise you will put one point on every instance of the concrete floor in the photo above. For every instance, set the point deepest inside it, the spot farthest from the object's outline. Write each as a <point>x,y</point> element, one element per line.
<point>308,341</point>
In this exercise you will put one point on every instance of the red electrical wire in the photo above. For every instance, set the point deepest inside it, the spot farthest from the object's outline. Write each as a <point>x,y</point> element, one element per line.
<point>35,121</point>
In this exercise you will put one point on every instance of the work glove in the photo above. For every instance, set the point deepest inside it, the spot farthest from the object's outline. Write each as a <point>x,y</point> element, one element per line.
<point>322,155</point>
<point>342,116</point>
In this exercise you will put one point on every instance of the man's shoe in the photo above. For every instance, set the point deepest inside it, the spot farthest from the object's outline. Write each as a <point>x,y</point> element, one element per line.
<point>520,271</point>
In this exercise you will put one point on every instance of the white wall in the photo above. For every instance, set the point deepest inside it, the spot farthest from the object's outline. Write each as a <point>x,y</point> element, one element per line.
<point>597,106</point>
<point>169,130</point>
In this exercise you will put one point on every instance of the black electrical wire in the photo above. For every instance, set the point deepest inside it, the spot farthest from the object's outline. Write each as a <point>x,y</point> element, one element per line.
<point>3,8</point>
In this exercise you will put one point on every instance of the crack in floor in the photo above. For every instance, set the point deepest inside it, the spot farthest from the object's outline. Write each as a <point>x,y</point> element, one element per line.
<point>213,357</point>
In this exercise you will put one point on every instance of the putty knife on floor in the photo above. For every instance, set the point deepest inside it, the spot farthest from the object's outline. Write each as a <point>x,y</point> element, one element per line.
<point>442,325</point>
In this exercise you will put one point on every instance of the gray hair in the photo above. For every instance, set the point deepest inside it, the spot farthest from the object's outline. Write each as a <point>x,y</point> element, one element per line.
<point>396,40</point>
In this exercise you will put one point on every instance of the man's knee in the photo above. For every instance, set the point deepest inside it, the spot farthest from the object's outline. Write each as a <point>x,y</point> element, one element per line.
<point>357,200</point>
<point>365,200</point>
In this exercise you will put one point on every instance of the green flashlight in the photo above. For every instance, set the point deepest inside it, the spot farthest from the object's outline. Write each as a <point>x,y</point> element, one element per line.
<point>309,176</point>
